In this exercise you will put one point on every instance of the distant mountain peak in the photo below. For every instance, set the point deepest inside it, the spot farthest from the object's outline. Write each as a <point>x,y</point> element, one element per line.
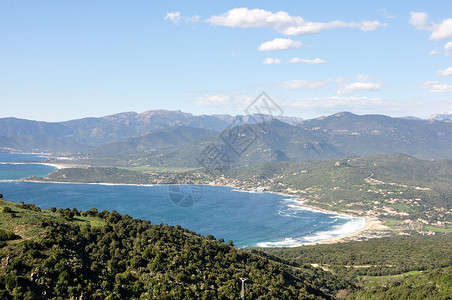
<point>164,112</point>
<point>442,116</point>
<point>410,118</point>
<point>343,113</point>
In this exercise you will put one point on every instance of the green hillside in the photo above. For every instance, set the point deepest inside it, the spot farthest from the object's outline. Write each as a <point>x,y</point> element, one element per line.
<point>375,257</point>
<point>390,186</point>
<point>276,141</point>
<point>96,175</point>
<point>378,134</point>
<point>157,139</point>
<point>435,284</point>
<point>66,254</point>
<point>144,139</point>
<point>414,267</point>
<point>41,143</point>
<point>336,136</point>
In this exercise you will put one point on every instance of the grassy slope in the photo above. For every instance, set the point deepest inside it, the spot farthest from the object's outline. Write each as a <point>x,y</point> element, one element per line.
<point>415,267</point>
<point>25,220</point>
<point>433,284</point>
<point>109,256</point>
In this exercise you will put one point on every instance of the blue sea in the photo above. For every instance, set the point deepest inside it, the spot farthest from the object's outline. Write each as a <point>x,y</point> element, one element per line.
<point>248,219</point>
<point>17,166</point>
<point>14,157</point>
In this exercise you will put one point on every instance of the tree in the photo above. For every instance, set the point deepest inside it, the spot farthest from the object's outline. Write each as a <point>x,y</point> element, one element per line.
<point>75,212</point>
<point>1,196</point>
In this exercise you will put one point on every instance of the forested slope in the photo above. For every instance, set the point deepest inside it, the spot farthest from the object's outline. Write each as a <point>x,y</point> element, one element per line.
<point>104,255</point>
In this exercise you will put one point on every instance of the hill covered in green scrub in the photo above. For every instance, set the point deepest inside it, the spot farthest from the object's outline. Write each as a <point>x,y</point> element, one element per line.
<point>67,254</point>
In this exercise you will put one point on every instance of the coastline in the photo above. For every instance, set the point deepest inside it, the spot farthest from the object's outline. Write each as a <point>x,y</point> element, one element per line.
<point>61,166</point>
<point>55,165</point>
<point>370,224</point>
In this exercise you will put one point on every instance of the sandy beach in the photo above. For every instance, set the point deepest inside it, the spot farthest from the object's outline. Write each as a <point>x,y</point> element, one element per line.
<point>63,166</point>
<point>372,224</point>
<point>56,165</point>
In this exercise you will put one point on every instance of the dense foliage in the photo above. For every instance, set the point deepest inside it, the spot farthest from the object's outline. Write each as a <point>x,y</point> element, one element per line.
<point>96,175</point>
<point>126,258</point>
<point>376,257</point>
<point>390,186</point>
<point>435,284</point>
<point>416,267</point>
<point>63,253</point>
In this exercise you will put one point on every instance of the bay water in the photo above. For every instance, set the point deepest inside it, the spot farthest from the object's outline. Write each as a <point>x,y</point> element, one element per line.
<point>248,219</point>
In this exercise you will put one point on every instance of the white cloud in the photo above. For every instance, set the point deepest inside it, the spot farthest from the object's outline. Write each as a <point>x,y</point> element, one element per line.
<point>363,77</point>
<point>271,61</point>
<point>303,84</point>
<point>316,27</point>
<point>446,72</point>
<point>443,31</point>
<point>359,87</point>
<point>384,12</point>
<point>176,17</point>
<point>213,100</point>
<point>282,22</point>
<point>436,87</point>
<point>297,60</point>
<point>448,49</point>
<point>420,21</point>
<point>233,100</point>
<point>254,18</point>
<point>236,101</point>
<point>317,106</point>
<point>173,17</point>
<point>439,31</point>
<point>340,85</point>
<point>310,84</point>
<point>434,52</point>
<point>279,44</point>
<point>335,102</point>
<point>192,19</point>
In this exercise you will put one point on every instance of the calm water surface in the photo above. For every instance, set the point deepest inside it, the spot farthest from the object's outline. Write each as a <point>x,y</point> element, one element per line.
<point>249,219</point>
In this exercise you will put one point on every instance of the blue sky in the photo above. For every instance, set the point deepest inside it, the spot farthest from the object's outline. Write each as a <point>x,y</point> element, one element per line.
<point>63,60</point>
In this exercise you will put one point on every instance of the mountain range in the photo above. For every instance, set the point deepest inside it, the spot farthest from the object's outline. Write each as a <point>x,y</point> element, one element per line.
<point>336,136</point>
<point>175,138</point>
<point>87,133</point>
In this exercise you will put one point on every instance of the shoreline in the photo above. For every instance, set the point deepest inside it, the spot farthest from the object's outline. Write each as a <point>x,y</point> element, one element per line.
<point>55,165</point>
<point>370,224</point>
<point>62,166</point>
